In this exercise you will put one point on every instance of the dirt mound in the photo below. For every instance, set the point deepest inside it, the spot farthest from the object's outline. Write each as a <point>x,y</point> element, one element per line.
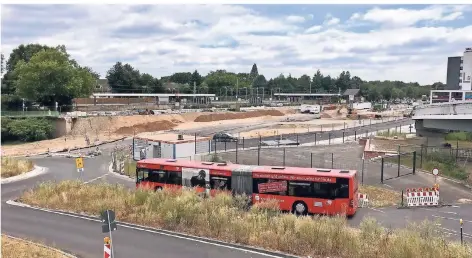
<point>325,115</point>
<point>147,127</point>
<point>243,115</point>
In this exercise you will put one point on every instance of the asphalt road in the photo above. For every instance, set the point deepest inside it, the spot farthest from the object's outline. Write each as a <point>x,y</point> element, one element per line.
<point>84,238</point>
<point>310,137</point>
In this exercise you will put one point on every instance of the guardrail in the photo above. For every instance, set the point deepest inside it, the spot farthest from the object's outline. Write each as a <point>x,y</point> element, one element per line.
<point>45,113</point>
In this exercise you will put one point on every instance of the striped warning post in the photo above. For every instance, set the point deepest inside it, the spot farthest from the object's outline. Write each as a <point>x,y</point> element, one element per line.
<point>422,197</point>
<point>106,251</point>
<point>363,201</point>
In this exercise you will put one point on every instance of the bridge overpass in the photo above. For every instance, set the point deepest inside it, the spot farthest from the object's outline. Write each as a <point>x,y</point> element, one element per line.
<point>444,117</point>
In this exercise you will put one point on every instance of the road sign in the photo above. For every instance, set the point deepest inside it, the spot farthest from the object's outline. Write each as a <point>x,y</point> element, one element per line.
<point>107,251</point>
<point>79,163</point>
<point>109,227</point>
<point>108,215</point>
<point>435,171</point>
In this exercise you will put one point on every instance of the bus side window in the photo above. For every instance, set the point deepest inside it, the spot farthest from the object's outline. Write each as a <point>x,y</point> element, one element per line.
<point>142,174</point>
<point>342,188</point>
<point>323,190</point>
<point>174,178</point>
<point>220,182</point>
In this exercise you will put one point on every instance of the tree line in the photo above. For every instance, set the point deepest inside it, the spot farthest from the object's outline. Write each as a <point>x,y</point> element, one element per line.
<point>46,74</point>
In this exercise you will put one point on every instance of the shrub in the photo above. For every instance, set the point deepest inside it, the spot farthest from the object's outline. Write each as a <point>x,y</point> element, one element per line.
<point>224,217</point>
<point>459,136</point>
<point>30,129</point>
<point>13,166</point>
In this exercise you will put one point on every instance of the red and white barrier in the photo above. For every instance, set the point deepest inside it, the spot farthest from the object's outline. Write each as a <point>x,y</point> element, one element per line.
<point>422,197</point>
<point>106,251</point>
<point>363,201</point>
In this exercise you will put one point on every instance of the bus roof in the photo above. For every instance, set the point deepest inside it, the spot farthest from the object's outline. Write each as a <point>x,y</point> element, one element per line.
<point>342,173</point>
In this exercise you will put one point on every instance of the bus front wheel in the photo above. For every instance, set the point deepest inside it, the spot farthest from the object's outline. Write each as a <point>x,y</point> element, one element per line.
<point>300,208</point>
<point>158,188</point>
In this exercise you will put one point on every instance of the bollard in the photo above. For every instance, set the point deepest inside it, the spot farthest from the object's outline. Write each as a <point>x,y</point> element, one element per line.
<point>237,152</point>
<point>311,160</point>
<point>462,238</point>
<point>243,143</point>
<point>258,154</point>
<point>225,145</point>
<point>284,158</point>
<point>402,200</point>
<point>329,138</point>
<point>297,139</point>
<point>343,136</point>
<point>315,138</point>
<point>355,135</point>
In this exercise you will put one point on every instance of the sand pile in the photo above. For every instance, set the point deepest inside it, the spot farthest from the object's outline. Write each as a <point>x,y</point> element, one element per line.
<point>147,127</point>
<point>228,116</point>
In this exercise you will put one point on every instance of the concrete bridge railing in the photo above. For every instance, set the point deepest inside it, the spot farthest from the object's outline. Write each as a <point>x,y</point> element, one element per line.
<point>445,109</point>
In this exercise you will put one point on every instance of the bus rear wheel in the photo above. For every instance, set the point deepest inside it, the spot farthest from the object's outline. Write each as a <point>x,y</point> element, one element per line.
<point>158,188</point>
<point>300,208</point>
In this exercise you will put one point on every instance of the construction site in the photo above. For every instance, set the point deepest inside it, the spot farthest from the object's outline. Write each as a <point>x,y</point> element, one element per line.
<point>86,130</point>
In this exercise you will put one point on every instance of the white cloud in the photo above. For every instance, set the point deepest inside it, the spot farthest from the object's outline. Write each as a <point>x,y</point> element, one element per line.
<point>165,39</point>
<point>295,18</point>
<point>312,29</point>
<point>408,17</point>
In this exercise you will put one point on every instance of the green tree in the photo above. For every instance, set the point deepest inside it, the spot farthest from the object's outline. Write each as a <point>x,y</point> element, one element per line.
<point>197,78</point>
<point>124,78</point>
<point>254,73</point>
<point>317,82</point>
<point>328,84</point>
<point>304,83</point>
<point>2,63</point>
<point>182,78</point>
<point>343,82</point>
<point>21,53</point>
<point>50,76</point>
<point>260,81</point>
<point>216,80</point>
<point>150,84</point>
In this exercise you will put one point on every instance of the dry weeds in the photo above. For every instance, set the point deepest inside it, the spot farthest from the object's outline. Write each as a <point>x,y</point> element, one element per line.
<point>379,196</point>
<point>16,248</point>
<point>226,218</point>
<point>15,166</point>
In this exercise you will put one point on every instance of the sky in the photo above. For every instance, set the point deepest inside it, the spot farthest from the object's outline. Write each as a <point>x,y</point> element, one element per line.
<point>385,42</point>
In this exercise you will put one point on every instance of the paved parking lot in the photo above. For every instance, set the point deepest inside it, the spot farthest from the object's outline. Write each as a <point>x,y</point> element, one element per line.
<point>347,156</point>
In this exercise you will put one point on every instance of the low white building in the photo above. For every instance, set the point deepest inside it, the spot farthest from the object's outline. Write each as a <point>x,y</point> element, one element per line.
<point>172,146</point>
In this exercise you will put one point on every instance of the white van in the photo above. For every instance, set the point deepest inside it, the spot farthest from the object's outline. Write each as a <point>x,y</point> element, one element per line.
<point>310,109</point>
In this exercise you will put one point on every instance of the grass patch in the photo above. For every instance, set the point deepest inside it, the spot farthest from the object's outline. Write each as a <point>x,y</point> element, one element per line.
<point>459,136</point>
<point>391,133</point>
<point>379,196</point>
<point>446,164</point>
<point>15,248</point>
<point>15,166</point>
<point>130,168</point>
<point>228,219</point>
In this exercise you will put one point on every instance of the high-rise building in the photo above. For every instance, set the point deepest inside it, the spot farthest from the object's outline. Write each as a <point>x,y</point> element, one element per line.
<point>459,71</point>
<point>465,80</point>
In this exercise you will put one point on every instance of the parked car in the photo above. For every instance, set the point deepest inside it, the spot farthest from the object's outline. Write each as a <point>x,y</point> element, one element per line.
<point>224,137</point>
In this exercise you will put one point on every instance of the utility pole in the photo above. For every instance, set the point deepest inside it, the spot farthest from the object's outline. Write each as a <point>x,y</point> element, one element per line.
<point>237,88</point>
<point>194,90</point>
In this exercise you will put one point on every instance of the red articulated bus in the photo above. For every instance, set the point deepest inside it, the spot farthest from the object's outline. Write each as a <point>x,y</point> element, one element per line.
<point>298,190</point>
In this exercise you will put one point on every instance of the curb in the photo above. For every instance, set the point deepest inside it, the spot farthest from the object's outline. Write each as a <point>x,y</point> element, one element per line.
<point>116,174</point>
<point>35,172</point>
<point>43,246</point>
<point>72,149</point>
<point>159,231</point>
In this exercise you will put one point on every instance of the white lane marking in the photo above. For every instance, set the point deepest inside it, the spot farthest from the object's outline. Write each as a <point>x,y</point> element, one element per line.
<point>154,231</point>
<point>388,186</point>
<point>33,173</point>
<point>455,232</point>
<point>377,210</point>
<point>451,218</point>
<point>447,212</point>
<point>455,206</point>
<point>41,245</point>
<point>90,181</point>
